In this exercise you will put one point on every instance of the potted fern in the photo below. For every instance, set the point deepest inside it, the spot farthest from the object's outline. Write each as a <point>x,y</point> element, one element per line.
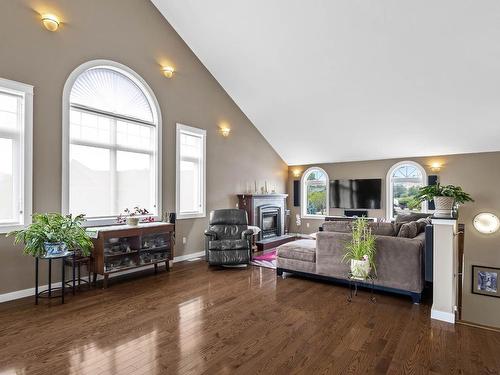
<point>53,234</point>
<point>360,251</point>
<point>446,198</point>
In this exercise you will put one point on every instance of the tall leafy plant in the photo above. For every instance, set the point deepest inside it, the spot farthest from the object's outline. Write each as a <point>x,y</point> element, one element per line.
<point>53,227</point>
<point>427,193</point>
<point>362,245</point>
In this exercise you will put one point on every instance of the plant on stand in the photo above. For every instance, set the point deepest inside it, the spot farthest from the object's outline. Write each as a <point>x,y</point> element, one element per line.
<point>54,234</point>
<point>446,198</point>
<point>360,251</point>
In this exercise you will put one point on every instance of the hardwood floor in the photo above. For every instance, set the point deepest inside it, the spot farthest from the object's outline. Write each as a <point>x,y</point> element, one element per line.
<point>196,320</point>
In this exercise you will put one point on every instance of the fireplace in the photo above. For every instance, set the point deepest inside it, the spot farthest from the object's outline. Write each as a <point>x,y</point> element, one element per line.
<point>266,211</point>
<point>270,221</point>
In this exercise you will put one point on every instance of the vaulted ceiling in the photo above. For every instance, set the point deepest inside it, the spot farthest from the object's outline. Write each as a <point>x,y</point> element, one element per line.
<point>341,80</point>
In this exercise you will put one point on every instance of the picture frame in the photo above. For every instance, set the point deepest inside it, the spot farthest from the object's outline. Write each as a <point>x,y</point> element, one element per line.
<point>485,281</point>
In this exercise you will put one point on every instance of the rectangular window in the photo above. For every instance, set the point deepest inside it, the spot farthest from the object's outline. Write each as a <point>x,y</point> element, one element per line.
<point>190,186</point>
<point>16,123</point>
<point>112,165</point>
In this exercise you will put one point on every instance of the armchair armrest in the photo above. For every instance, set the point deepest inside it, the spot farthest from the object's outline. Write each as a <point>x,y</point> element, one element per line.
<point>211,234</point>
<point>246,234</point>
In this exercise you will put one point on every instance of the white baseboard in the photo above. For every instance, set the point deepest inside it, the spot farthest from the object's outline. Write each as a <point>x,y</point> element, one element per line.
<point>443,316</point>
<point>31,291</point>
<point>189,256</point>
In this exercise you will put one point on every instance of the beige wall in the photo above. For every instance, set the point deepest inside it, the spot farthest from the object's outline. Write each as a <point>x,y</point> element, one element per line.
<point>133,33</point>
<point>479,175</point>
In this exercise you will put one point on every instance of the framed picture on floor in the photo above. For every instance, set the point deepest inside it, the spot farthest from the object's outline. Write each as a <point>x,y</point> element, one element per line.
<point>485,281</point>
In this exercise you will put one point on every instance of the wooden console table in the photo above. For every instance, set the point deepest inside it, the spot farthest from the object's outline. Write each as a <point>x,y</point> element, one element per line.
<point>119,248</point>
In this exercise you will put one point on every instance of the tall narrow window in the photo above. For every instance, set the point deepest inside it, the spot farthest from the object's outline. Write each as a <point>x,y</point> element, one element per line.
<point>190,191</point>
<point>113,159</point>
<point>315,193</point>
<point>403,181</point>
<point>16,122</point>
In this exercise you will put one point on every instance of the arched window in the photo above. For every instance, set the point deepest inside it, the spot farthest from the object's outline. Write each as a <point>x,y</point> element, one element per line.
<point>315,193</point>
<point>111,142</point>
<point>403,181</point>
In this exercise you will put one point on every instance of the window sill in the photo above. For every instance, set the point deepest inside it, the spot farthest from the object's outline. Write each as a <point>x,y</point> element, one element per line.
<point>90,222</point>
<point>190,216</point>
<point>4,229</point>
<point>313,217</point>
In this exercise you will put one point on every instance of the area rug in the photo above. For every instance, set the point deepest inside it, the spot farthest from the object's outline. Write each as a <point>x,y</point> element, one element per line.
<point>266,260</point>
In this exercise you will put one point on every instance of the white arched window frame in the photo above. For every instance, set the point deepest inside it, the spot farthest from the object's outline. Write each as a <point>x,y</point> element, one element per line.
<point>390,185</point>
<point>304,187</point>
<point>155,120</point>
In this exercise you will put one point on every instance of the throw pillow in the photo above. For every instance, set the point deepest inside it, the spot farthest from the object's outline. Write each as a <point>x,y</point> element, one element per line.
<point>422,223</point>
<point>408,230</point>
<point>411,216</point>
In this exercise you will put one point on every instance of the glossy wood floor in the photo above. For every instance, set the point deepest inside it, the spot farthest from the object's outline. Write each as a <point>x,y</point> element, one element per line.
<point>195,320</point>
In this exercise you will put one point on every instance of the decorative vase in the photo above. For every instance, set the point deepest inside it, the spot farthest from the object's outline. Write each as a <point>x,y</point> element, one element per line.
<point>444,206</point>
<point>133,221</point>
<point>54,249</point>
<point>360,269</point>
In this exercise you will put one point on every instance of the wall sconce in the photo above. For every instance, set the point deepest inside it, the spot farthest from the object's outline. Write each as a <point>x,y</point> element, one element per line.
<point>224,130</point>
<point>296,173</point>
<point>436,166</point>
<point>168,71</point>
<point>50,22</point>
<point>486,223</point>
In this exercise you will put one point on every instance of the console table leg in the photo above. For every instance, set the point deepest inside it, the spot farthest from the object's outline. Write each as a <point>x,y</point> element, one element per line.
<point>105,282</point>
<point>50,277</point>
<point>156,268</point>
<point>36,281</point>
<point>63,280</point>
<point>74,260</point>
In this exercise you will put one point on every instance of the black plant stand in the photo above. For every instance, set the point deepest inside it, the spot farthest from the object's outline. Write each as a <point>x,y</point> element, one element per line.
<point>366,281</point>
<point>49,292</point>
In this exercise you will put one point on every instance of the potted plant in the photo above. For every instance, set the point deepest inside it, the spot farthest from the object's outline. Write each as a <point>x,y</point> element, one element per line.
<point>131,217</point>
<point>360,251</point>
<point>52,234</point>
<point>446,198</point>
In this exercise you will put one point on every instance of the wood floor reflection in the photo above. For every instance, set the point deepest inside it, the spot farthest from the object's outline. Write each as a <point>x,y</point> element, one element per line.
<point>196,320</point>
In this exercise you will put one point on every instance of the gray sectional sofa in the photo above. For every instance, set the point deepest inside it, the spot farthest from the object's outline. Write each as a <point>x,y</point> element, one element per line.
<point>400,260</point>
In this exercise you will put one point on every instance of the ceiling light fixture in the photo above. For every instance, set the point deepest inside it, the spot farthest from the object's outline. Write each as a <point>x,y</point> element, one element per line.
<point>486,222</point>
<point>50,22</point>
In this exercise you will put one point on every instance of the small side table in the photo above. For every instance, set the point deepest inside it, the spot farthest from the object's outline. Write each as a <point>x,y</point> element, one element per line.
<point>256,231</point>
<point>48,293</point>
<point>355,281</point>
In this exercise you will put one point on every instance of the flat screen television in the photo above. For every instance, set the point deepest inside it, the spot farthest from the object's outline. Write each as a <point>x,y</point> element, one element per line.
<point>356,194</point>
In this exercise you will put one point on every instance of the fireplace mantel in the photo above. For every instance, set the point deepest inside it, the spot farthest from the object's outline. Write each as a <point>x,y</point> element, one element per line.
<point>251,203</point>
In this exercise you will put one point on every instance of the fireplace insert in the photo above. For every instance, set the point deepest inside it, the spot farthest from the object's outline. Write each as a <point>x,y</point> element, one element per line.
<point>270,221</point>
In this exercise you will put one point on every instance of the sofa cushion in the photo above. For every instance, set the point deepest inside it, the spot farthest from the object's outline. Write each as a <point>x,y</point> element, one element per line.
<point>304,250</point>
<point>408,230</point>
<point>411,216</point>
<point>337,226</point>
<point>384,229</point>
<point>422,223</point>
<point>227,245</point>
<point>378,229</point>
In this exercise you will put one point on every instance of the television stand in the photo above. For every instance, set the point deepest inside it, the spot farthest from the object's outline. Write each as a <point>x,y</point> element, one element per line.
<point>348,218</point>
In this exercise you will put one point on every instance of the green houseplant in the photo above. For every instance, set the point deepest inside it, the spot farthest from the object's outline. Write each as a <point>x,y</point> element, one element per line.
<point>52,234</point>
<point>445,198</point>
<point>361,250</point>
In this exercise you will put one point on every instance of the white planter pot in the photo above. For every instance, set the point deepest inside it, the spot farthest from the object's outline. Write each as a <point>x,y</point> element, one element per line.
<point>444,206</point>
<point>133,221</point>
<point>360,269</point>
